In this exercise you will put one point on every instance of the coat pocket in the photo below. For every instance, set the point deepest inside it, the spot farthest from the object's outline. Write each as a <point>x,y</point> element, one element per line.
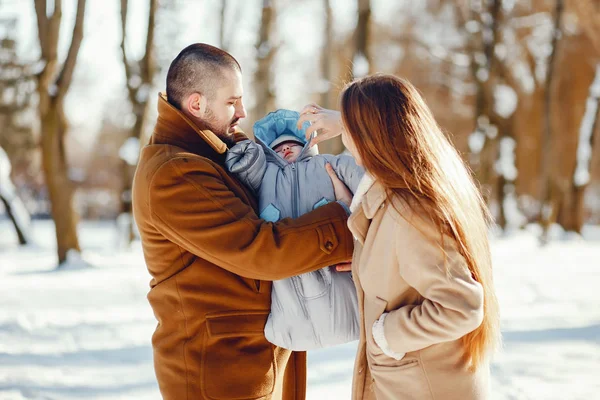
<point>405,379</point>
<point>237,361</point>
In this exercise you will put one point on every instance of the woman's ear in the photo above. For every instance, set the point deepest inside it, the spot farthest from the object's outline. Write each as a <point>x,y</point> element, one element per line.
<point>196,105</point>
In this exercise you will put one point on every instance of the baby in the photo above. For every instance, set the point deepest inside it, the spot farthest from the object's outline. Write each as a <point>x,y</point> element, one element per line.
<point>316,309</point>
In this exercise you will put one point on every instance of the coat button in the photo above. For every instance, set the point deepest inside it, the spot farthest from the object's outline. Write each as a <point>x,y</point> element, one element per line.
<point>329,245</point>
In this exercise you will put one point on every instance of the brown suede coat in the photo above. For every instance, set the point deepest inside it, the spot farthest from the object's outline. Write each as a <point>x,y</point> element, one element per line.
<point>211,259</point>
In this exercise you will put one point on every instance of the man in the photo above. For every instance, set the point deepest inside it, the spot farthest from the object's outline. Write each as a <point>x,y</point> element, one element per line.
<point>210,256</point>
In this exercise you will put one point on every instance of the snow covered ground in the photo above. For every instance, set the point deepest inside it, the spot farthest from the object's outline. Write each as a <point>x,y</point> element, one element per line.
<point>84,332</point>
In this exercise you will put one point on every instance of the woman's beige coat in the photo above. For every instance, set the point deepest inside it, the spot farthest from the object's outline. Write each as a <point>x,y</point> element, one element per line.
<point>399,268</point>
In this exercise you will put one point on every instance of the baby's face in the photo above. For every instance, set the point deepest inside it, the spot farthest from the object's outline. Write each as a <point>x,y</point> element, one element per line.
<point>289,151</point>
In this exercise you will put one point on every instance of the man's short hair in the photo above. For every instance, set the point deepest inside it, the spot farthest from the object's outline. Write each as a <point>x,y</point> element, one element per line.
<point>197,69</point>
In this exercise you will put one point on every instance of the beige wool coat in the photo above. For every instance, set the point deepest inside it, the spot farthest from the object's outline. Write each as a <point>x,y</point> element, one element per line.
<point>398,267</point>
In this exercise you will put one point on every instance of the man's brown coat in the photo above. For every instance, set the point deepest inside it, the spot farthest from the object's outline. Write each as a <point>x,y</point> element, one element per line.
<point>211,259</point>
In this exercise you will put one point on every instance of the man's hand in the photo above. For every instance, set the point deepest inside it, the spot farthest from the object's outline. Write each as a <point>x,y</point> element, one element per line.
<point>327,122</point>
<point>342,193</point>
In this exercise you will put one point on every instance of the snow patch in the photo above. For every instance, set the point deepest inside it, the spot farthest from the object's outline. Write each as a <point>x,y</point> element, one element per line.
<point>130,151</point>
<point>506,163</point>
<point>505,100</point>
<point>584,148</point>
<point>360,65</point>
<point>476,141</point>
<point>74,261</point>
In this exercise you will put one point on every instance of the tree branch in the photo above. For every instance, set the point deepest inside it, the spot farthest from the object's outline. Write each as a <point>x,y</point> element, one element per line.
<point>362,27</point>
<point>222,41</point>
<point>148,62</point>
<point>589,17</point>
<point>128,73</point>
<point>53,33</point>
<point>326,54</point>
<point>66,75</point>
<point>42,23</point>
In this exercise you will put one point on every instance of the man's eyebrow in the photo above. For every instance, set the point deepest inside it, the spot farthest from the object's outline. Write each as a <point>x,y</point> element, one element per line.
<point>235,97</point>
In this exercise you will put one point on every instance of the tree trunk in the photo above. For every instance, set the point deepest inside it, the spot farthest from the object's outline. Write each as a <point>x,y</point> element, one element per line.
<point>265,97</point>
<point>550,191</point>
<point>490,128</point>
<point>53,86</point>
<point>572,130</point>
<point>588,14</point>
<point>326,55</point>
<point>145,70</point>
<point>60,189</point>
<point>329,90</point>
<point>578,190</point>
<point>361,40</point>
<point>141,113</point>
<point>223,14</point>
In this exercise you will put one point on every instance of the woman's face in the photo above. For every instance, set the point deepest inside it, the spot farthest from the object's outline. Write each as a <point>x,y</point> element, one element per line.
<point>349,143</point>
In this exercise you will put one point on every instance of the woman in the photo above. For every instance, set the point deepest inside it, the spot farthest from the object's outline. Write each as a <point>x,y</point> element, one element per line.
<point>422,268</point>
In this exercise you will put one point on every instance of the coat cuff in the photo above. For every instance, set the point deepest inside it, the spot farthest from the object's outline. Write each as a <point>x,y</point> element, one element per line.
<point>380,340</point>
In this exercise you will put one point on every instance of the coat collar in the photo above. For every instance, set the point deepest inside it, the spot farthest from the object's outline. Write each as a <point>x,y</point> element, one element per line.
<point>369,197</point>
<point>175,128</point>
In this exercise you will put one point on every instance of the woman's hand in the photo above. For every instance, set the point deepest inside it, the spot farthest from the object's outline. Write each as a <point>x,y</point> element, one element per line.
<point>342,193</point>
<point>344,267</point>
<point>327,122</point>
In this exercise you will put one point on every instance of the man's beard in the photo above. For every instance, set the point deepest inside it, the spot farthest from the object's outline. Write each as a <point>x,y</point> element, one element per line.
<point>222,131</point>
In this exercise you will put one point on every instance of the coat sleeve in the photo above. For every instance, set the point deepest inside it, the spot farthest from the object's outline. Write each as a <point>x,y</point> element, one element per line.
<point>453,299</point>
<point>247,161</point>
<point>347,170</point>
<point>192,206</point>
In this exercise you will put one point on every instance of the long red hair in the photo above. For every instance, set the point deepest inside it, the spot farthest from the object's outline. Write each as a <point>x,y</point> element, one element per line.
<point>402,146</point>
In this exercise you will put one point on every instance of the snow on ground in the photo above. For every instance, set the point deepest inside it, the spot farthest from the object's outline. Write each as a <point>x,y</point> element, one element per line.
<point>84,332</point>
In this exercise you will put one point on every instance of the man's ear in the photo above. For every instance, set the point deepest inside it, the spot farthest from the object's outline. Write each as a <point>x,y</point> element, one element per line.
<point>196,104</point>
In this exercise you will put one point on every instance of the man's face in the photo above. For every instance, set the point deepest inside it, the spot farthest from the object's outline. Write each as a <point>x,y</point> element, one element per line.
<point>289,151</point>
<point>225,108</point>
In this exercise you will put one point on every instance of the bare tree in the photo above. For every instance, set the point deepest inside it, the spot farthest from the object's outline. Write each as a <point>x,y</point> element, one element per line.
<point>353,59</point>
<point>16,89</point>
<point>361,59</point>
<point>13,205</point>
<point>53,85</point>
<point>361,38</point>
<point>326,53</point>
<point>482,27</point>
<point>222,39</point>
<point>139,75</point>
<point>265,50</point>
<point>588,15</point>
<point>549,192</point>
